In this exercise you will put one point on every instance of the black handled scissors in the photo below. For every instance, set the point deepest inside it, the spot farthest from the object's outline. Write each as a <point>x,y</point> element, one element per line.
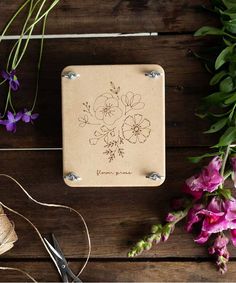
<point>60,261</point>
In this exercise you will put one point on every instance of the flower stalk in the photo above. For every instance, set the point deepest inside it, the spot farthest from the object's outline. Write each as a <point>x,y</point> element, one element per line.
<point>37,13</point>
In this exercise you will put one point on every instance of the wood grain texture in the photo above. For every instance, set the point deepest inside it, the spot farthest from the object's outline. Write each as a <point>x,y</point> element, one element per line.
<point>186,83</point>
<point>104,271</point>
<point>71,17</point>
<point>117,217</point>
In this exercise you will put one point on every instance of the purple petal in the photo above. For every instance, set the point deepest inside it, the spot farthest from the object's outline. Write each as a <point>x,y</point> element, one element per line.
<point>233,237</point>
<point>18,116</point>
<point>12,73</point>
<point>14,84</point>
<point>34,116</point>
<point>10,117</point>
<point>5,75</point>
<point>11,127</point>
<point>26,118</point>
<point>202,238</point>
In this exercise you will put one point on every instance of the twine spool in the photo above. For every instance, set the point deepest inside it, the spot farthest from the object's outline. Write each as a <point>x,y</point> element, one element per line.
<point>8,235</point>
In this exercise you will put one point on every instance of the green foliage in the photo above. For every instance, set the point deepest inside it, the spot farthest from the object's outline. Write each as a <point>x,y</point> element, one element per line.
<point>220,105</point>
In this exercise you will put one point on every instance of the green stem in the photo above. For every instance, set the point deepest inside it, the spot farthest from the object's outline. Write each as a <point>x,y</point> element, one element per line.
<point>7,102</point>
<point>20,38</point>
<point>13,18</point>
<point>15,64</point>
<point>22,33</point>
<point>44,14</point>
<point>39,63</point>
<point>222,171</point>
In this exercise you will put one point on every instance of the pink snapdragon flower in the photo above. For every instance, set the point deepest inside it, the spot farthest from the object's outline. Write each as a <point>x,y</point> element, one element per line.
<point>193,216</point>
<point>208,180</point>
<point>214,219</point>
<point>219,248</point>
<point>218,216</point>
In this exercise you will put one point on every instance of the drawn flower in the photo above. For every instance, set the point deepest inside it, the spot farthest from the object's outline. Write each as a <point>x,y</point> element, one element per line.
<point>106,108</point>
<point>11,121</point>
<point>131,101</point>
<point>28,117</point>
<point>136,128</point>
<point>12,78</point>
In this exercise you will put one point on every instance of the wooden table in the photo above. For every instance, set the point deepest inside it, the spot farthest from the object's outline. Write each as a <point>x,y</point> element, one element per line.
<point>117,217</point>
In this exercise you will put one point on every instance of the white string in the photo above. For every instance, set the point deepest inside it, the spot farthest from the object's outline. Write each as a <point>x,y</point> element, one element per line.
<point>50,205</point>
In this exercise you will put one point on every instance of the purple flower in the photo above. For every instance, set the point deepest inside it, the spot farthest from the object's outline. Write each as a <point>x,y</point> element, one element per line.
<point>193,217</point>
<point>171,217</point>
<point>219,246</point>
<point>233,236</point>
<point>220,249</point>
<point>214,220</point>
<point>11,121</point>
<point>208,180</point>
<point>12,78</point>
<point>28,117</point>
<point>219,215</point>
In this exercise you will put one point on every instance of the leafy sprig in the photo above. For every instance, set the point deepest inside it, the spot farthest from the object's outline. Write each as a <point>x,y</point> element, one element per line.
<point>206,195</point>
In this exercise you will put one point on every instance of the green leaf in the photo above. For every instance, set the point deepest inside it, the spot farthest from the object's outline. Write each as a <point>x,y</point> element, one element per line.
<point>215,98</point>
<point>226,193</point>
<point>223,56</point>
<point>196,159</point>
<point>208,31</point>
<point>230,12</point>
<point>229,3</point>
<point>230,100</point>
<point>230,25</point>
<point>227,85</point>
<point>228,137</point>
<point>219,125</point>
<point>218,77</point>
<point>219,115</point>
<point>232,69</point>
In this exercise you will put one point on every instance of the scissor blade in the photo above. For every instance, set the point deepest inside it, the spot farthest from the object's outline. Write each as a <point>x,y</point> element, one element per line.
<point>57,247</point>
<point>53,250</point>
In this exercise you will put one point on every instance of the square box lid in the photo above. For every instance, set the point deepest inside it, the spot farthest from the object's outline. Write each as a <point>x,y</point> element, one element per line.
<point>113,125</point>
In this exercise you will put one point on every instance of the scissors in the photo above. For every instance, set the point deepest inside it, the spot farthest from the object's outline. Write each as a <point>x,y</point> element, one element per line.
<point>60,261</point>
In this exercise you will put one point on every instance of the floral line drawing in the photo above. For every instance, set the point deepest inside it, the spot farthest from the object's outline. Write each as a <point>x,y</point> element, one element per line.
<point>136,129</point>
<point>116,127</point>
<point>107,109</point>
<point>104,134</point>
<point>87,108</point>
<point>132,101</point>
<point>114,147</point>
<point>84,120</point>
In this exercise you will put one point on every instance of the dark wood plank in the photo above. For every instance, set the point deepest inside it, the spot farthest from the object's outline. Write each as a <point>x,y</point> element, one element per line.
<point>186,82</point>
<point>119,16</point>
<point>117,217</point>
<point>104,271</point>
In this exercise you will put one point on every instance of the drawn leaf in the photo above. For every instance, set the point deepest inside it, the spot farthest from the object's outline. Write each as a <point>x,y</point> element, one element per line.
<point>93,141</point>
<point>104,129</point>
<point>97,134</point>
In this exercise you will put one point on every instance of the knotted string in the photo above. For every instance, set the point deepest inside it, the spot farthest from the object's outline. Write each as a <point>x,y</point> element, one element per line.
<point>38,232</point>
